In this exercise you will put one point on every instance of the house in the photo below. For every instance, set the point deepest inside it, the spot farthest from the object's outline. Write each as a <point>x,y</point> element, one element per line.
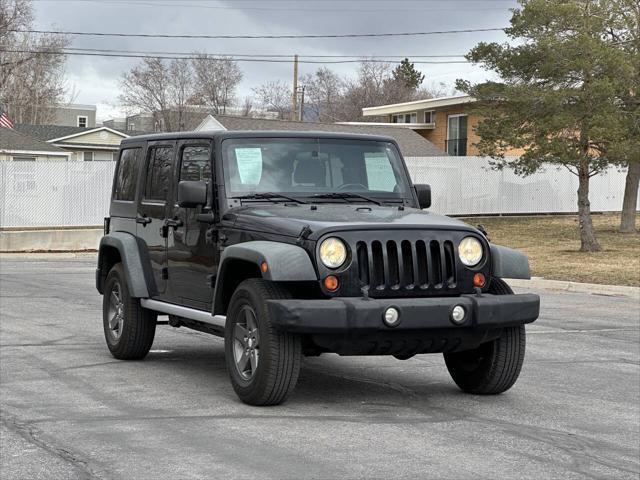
<point>83,144</point>
<point>75,115</point>
<point>16,146</point>
<point>411,143</point>
<point>192,115</point>
<point>447,122</point>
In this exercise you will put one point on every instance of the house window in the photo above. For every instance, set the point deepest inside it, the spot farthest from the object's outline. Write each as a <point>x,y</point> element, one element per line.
<point>102,156</point>
<point>456,143</point>
<point>429,116</point>
<point>82,121</point>
<point>88,156</point>
<point>405,118</point>
<point>131,126</point>
<point>24,158</point>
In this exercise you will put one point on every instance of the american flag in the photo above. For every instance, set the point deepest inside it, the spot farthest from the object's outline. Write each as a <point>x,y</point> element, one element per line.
<point>4,118</point>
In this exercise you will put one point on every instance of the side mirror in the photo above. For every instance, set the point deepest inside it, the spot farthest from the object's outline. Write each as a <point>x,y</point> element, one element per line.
<point>192,194</point>
<point>424,195</point>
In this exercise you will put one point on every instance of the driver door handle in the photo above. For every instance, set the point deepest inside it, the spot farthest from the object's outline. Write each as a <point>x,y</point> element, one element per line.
<point>174,223</point>
<point>143,219</point>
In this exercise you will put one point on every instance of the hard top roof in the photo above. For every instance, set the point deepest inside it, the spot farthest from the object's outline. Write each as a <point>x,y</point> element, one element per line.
<point>254,134</point>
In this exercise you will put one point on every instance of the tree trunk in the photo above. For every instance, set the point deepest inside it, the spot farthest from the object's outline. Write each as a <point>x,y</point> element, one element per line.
<point>588,241</point>
<point>630,201</point>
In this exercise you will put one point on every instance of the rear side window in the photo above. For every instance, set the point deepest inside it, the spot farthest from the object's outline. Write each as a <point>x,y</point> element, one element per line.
<point>127,175</point>
<point>195,164</point>
<point>158,173</point>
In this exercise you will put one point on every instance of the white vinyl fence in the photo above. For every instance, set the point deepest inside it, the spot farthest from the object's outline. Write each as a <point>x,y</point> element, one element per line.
<point>469,186</point>
<point>54,194</point>
<point>64,194</point>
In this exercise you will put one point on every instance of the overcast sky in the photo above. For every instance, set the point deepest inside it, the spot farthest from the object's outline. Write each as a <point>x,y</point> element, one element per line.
<point>95,80</point>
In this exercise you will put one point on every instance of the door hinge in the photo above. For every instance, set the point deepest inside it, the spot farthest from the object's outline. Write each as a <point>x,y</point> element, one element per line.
<point>165,273</point>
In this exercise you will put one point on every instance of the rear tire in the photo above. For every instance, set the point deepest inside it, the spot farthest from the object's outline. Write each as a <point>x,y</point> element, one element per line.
<point>263,363</point>
<point>493,367</point>
<point>129,329</point>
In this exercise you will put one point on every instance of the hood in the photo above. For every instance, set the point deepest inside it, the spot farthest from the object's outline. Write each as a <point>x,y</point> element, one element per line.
<point>291,219</point>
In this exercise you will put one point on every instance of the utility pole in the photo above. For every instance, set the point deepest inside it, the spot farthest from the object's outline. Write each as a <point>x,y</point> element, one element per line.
<point>302,89</point>
<point>294,97</point>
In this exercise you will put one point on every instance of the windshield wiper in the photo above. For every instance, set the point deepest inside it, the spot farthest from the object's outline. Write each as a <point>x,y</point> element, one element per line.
<point>268,196</point>
<point>347,196</point>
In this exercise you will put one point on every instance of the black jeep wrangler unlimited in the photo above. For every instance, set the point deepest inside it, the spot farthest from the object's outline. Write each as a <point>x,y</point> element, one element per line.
<point>291,244</point>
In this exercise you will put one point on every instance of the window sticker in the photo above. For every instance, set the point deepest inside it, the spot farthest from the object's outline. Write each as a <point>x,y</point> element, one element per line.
<point>249,165</point>
<point>379,172</point>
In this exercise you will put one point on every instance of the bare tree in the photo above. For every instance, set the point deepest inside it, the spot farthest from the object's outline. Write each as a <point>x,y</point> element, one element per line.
<point>324,90</point>
<point>275,96</point>
<point>216,82</point>
<point>374,85</point>
<point>160,88</point>
<point>247,107</point>
<point>32,66</point>
<point>181,89</point>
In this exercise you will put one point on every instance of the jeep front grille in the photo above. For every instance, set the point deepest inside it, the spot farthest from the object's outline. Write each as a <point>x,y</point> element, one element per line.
<point>406,265</point>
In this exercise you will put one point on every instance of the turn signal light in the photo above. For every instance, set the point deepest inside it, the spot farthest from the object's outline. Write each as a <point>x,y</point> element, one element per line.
<point>479,280</point>
<point>264,267</point>
<point>331,283</point>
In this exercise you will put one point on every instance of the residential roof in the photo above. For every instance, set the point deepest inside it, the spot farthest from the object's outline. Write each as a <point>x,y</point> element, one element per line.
<point>13,140</point>
<point>411,143</point>
<point>50,132</point>
<point>416,105</point>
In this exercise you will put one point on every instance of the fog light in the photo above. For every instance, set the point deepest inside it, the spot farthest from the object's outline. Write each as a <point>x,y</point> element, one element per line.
<point>391,317</point>
<point>458,314</point>
<point>331,283</point>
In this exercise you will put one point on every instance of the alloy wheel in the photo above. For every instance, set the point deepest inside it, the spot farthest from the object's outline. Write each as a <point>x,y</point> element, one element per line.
<point>246,349</point>
<point>116,311</point>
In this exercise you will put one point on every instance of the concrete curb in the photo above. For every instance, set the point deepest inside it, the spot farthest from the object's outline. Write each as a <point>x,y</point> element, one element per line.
<point>593,288</point>
<point>43,240</point>
<point>37,256</point>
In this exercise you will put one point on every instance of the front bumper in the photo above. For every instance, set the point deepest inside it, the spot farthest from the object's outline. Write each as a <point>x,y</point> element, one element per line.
<point>350,315</point>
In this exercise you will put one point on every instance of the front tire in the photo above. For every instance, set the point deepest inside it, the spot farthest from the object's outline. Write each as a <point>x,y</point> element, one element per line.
<point>129,329</point>
<point>263,363</point>
<point>493,367</point>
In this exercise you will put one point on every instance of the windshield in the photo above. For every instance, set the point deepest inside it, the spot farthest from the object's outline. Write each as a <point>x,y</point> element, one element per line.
<point>307,167</point>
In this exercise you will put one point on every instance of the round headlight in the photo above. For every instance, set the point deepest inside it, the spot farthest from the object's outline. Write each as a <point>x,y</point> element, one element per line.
<point>470,251</point>
<point>333,252</point>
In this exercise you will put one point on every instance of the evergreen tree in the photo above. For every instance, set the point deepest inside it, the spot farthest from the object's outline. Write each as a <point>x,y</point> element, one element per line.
<point>407,73</point>
<point>558,94</point>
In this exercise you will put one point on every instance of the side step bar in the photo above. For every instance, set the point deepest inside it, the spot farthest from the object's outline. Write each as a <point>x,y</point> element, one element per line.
<point>185,312</point>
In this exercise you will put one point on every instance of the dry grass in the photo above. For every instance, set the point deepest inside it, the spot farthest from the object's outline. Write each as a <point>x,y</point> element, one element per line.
<point>552,244</point>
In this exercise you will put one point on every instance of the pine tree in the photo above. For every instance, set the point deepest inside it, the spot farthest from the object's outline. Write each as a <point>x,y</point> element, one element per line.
<point>407,73</point>
<point>557,97</point>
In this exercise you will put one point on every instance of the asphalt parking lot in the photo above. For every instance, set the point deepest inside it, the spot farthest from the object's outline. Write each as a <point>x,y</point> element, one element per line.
<point>70,410</point>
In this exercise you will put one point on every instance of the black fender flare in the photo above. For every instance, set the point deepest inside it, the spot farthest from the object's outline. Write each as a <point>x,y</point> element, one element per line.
<point>137,271</point>
<point>285,263</point>
<point>509,263</point>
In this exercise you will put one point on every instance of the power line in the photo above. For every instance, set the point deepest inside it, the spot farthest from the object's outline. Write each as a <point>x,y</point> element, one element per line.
<point>396,8</point>
<point>274,55</point>
<point>298,1</point>
<point>242,59</point>
<point>263,37</point>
